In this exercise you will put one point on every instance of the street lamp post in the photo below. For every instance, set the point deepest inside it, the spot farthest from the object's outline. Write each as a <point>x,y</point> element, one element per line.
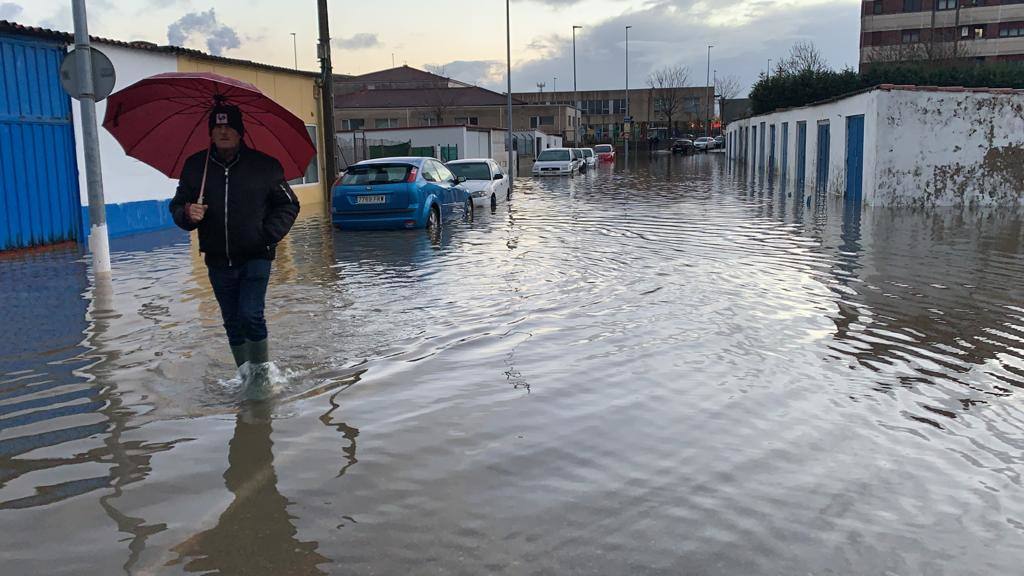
<point>626,137</point>
<point>707,120</point>
<point>295,52</point>
<point>575,96</point>
<point>508,77</point>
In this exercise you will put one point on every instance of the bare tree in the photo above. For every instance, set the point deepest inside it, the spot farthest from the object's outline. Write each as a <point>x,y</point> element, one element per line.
<point>938,52</point>
<point>804,56</point>
<point>727,87</point>
<point>667,90</point>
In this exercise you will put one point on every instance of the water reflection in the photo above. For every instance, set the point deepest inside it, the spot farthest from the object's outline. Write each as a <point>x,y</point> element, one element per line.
<point>255,534</point>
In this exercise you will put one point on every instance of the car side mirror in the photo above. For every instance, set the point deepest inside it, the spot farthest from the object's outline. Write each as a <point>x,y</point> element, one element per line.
<point>498,176</point>
<point>460,179</point>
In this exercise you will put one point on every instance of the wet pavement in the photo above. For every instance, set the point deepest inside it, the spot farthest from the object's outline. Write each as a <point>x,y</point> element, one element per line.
<point>672,370</point>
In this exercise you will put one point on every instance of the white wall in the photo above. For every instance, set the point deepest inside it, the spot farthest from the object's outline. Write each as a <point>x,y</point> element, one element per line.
<point>125,179</point>
<point>443,136</point>
<point>950,148</point>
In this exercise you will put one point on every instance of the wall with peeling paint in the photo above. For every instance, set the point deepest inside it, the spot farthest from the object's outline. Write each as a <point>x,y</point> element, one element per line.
<point>921,147</point>
<point>950,148</point>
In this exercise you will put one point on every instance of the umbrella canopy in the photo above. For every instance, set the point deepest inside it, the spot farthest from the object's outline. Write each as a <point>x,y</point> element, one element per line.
<point>162,120</point>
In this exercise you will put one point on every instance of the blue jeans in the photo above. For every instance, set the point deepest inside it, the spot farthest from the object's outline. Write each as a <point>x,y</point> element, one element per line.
<point>241,292</point>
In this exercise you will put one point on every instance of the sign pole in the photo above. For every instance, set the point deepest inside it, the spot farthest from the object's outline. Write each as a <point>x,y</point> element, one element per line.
<point>99,242</point>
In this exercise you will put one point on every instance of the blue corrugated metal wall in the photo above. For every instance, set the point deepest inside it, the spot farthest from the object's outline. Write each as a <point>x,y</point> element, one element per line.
<point>39,201</point>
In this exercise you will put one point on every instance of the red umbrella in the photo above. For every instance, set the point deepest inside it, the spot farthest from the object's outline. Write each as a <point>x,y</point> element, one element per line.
<point>162,120</point>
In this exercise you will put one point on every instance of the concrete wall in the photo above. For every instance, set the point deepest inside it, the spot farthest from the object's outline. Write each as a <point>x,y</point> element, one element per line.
<point>136,194</point>
<point>472,143</point>
<point>921,147</point>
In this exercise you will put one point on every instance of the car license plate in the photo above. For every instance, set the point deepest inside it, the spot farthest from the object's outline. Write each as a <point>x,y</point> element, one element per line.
<point>377,199</point>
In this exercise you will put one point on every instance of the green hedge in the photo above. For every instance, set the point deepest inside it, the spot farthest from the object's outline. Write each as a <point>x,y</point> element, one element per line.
<point>788,90</point>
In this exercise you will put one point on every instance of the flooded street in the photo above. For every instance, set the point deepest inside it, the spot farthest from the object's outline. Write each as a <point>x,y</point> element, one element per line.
<point>667,370</point>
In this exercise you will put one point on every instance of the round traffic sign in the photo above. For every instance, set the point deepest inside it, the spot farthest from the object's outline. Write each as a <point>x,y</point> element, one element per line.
<point>103,76</point>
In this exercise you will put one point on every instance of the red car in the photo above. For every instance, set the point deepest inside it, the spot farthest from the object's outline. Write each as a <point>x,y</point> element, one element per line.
<point>605,153</point>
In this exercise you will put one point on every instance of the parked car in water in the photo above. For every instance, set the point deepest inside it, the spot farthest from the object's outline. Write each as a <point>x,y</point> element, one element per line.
<point>719,141</point>
<point>394,193</point>
<point>556,162</point>
<point>590,156</point>
<point>485,181</point>
<point>605,152</point>
<point>682,146</point>
<point>704,143</point>
<point>581,159</point>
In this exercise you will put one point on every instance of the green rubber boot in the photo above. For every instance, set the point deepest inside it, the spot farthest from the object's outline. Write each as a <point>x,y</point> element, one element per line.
<point>241,353</point>
<point>258,352</point>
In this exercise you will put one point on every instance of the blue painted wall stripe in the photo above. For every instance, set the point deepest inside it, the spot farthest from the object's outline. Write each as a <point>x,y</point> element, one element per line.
<point>133,217</point>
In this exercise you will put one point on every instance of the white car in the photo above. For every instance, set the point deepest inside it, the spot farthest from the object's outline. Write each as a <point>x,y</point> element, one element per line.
<point>704,143</point>
<point>485,181</point>
<point>590,156</point>
<point>556,162</point>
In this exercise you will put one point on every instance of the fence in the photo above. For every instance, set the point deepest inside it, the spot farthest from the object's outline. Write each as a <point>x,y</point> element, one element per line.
<point>355,147</point>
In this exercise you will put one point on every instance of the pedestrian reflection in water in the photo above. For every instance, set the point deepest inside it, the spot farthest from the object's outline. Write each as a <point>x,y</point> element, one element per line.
<point>255,534</point>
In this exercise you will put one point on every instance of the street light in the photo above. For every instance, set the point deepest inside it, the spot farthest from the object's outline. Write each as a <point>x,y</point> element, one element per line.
<point>575,96</point>
<point>295,52</point>
<point>554,85</point>
<point>625,120</point>
<point>707,122</point>
<point>508,76</point>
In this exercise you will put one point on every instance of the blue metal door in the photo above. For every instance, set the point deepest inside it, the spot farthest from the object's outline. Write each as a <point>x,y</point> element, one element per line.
<point>821,183</point>
<point>760,153</point>
<point>801,156</point>
<point>771,153</point>
<point>753,148</point>
<point>784,166</point>
<point>854,158</point>
<point>39,201</point>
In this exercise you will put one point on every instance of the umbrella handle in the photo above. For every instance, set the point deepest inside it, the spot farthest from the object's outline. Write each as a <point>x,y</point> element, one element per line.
<point>202,187</point>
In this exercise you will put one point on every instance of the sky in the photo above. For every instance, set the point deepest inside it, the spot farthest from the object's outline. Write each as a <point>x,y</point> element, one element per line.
<point>466,38</point>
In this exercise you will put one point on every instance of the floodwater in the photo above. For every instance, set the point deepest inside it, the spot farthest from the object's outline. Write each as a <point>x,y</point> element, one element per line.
<point>667,370</point>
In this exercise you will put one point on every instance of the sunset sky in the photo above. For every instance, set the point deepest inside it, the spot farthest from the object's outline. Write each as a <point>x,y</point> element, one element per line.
<point>467,37</point>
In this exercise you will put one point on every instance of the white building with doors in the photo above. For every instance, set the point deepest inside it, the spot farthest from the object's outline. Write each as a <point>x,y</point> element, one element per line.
<point>893,146</point>
<point>446,142</point>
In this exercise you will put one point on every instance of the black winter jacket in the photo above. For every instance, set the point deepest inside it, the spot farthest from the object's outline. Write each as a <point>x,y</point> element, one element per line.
<point>249,206</point>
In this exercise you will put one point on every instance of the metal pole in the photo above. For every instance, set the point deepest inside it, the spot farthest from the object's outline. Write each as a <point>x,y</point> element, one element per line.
<point>627,94</point>
<point>508,76</point>
<point>327,98</point>
<point>575,95</point>
<point>707,120</point>
<point>99,242</point>
<point>295,52</point>
<point>769,74</point>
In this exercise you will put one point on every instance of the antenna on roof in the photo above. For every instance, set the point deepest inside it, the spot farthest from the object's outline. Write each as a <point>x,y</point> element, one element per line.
<point>541,86</point>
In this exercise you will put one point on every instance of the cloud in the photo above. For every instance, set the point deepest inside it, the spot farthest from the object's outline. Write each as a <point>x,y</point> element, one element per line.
<point>9,11</point>
<point>359,41</point>
<point>219,37</point>
<point>479,72</point>
<point>60,20</point>
<point>556,4</point>
<point>745,34</point>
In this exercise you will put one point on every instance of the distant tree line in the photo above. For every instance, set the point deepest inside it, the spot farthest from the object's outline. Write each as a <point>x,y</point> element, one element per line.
<point>805,77</point>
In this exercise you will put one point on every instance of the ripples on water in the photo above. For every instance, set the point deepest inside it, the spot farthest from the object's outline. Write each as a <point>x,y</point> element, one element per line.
<point>667,370</point>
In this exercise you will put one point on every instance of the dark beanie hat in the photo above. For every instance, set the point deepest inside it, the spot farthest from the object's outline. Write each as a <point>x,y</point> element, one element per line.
<point>225,114</point>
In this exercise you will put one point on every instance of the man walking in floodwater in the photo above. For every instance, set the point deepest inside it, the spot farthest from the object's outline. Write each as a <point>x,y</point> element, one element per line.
<point>242,206</point>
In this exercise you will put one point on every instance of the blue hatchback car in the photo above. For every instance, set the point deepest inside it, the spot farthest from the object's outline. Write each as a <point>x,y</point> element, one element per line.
<point>397,193</point>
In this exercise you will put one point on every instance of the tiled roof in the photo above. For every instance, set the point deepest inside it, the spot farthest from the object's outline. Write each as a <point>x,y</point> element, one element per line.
<point>399,74</point>
<point>411,98</point>
<point>9,27</point>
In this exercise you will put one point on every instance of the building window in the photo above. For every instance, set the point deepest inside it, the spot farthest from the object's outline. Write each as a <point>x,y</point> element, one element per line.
<point>312,175</point>
<point>429,121</point>
<point>876,7</point>
<point>910,36</point>
<point>594,107</point>
<point>385,123</point>
<point>467,120</point>
<point>1012,30</point>
<point>619,106</point>
<point>911,5</point>
<point>972,32</point>
<point>353,124</point>
<point>946,4</point>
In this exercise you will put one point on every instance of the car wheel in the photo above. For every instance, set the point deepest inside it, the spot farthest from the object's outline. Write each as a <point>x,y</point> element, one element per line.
<point>470,210</point>
<point>494,202</point>
<point>434,220</point>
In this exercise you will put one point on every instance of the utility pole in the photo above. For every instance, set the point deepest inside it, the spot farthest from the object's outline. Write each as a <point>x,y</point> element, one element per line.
<point>295,52</point>
<point>99,242</point>
<point>575,95</point>
<point>625,120</point>
<point>508,77</point>
<point>327,97</point>
<point>554,86</point>
<point>707,122</point>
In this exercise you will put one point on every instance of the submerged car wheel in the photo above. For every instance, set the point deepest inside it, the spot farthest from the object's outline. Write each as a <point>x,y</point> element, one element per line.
<point>434,220</point>
<point>470,210</point>
<point>494,202</point>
